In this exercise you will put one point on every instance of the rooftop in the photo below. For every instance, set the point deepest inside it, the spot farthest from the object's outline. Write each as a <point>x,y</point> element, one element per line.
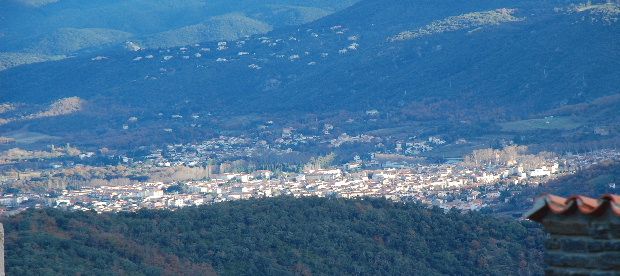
<point>567,206</point>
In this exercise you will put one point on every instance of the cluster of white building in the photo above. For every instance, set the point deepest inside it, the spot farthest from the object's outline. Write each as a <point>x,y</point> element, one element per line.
<point>432,184</point>
<point>445,185</point>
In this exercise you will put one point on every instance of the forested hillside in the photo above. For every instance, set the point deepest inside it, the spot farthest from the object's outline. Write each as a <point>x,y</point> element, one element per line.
<point>277,236</point>
<point>461,64</point>
<point>67,26</point>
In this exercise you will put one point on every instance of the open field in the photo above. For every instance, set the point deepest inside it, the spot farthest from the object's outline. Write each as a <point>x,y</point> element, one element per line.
<point>455,151</point>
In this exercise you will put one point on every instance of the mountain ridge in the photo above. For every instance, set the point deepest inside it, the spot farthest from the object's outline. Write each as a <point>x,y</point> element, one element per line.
<point>525,65</point>
<point>24,24</point>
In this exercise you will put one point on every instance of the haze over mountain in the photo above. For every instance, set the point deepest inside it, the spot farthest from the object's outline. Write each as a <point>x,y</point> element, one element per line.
<point>66,27</point>
<point>454,61</point>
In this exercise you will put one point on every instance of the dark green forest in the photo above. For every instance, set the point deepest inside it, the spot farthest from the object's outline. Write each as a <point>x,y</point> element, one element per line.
<point>276,236</point>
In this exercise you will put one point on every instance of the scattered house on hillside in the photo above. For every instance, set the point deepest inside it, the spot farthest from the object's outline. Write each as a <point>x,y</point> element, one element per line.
<point>584,234</point>
<point>353,46</point>
<point>222,45</point>
<point>372,112</point>
<point>287,132</point>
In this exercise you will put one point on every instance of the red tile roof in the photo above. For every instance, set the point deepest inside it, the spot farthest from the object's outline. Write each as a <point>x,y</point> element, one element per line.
<point>565,206</point>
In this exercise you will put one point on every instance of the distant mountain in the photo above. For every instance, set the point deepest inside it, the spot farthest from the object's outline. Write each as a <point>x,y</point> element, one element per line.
<point>457,61</point>
<point>283,236</point>
<point>35,3</point>
<point>71,40</point>
<point>67,27</point>
<point>288,15</point>
<point>8,60</point>
<point>224,27</point>
<point>26,22</point>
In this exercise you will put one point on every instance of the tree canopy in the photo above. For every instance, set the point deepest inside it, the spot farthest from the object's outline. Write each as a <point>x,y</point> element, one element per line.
<point>282,236</point>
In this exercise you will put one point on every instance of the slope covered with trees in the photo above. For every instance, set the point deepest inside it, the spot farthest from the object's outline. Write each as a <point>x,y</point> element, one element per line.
<point>65,26</point>
<point>462,61</point>
<point>273,236</point>
<point>224,27</point>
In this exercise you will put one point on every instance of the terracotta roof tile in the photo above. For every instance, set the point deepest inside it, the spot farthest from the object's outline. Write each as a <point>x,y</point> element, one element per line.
<point>614,201</point>
<point>585,205</point>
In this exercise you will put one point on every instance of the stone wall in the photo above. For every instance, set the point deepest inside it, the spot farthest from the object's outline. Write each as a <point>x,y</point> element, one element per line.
<point>580,244</point>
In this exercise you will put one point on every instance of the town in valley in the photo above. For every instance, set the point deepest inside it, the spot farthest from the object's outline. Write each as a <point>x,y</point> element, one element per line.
<point>188,175</point>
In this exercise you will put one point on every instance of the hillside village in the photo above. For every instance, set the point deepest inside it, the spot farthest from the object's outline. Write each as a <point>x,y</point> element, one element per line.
<point>254,51</point>
<point>337,40</point>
